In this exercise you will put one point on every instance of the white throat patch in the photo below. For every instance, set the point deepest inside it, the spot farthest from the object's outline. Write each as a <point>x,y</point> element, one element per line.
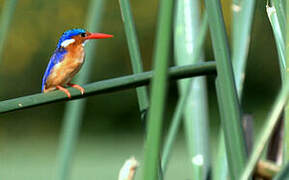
<point>83,44</point>
<point>67,42</point>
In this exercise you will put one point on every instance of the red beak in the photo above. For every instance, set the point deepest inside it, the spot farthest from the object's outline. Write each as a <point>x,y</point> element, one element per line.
<point>98,36</point>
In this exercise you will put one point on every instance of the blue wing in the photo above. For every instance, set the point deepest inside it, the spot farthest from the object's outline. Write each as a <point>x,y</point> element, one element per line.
<point>57,57</point>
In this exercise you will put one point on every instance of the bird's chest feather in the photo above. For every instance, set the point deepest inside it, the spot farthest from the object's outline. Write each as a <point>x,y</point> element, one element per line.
<point>73,60</point>
<point>63,72</point>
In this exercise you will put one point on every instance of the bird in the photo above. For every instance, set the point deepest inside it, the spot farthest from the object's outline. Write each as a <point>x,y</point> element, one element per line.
<point>67,60</point>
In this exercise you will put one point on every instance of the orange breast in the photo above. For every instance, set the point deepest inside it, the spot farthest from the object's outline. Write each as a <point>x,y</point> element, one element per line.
<point>63,72</point>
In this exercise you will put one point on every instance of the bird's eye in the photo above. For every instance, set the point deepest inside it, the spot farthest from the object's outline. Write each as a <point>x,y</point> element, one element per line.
<point>83,34</point>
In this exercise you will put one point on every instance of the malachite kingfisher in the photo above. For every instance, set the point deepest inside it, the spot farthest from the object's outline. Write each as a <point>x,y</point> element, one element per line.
<point>67,60</point>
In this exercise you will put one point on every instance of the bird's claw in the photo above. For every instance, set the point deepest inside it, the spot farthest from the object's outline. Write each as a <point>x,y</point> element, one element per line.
<point>64,90</point>
<point>81,89</point>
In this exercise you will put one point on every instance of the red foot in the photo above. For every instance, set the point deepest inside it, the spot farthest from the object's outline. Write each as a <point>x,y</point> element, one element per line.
<point>64,90</point>
<point>81,89</point>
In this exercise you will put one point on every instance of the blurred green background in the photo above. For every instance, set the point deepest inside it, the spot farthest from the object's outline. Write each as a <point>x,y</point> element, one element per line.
<point>111,130</point>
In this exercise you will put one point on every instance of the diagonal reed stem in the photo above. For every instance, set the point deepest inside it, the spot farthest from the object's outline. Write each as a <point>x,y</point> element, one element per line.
<point>267,131</point>
<point>277,19</point>
<point>243,11</point>
<point>229,106</point>
<point>105,86</point>
<point>134,51</point>
<point>272,120</point>
<point>279,38</point>
<point>279,5</point>
<point>241,40</point>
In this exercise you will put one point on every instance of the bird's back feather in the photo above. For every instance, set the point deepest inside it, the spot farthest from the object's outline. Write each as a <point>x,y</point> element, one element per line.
<point>56,58</point>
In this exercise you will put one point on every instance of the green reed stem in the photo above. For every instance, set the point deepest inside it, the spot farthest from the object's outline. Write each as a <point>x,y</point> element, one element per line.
<point>193,90</point>
<point>135,55</point>
<point>242,22</point>
<point>105,86</point>
<point>231,118</point>
<point>158,90</point>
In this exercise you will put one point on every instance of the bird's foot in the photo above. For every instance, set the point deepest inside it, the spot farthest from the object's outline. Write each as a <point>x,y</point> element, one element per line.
<point>81,89</point>
<point>64,90</point>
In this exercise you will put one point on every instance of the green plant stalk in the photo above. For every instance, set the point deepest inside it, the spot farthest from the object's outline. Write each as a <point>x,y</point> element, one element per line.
<point>242,22</point>
<point>277,20</point>
<point>6,17</point>
<point>231,120</point>
<point>105,86</point>
<point>267,130</point>
<point>279,39</point>
<point>74,110</point>
<point>182,102</point>
<point>134,51</point>
<point>158,90</point>
<point>195,113</point>
<point>279,5</point>
<point>286,120</point>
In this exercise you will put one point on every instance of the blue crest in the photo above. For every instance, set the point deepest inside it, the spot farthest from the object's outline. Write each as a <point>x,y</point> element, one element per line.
<point>69,34</point>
